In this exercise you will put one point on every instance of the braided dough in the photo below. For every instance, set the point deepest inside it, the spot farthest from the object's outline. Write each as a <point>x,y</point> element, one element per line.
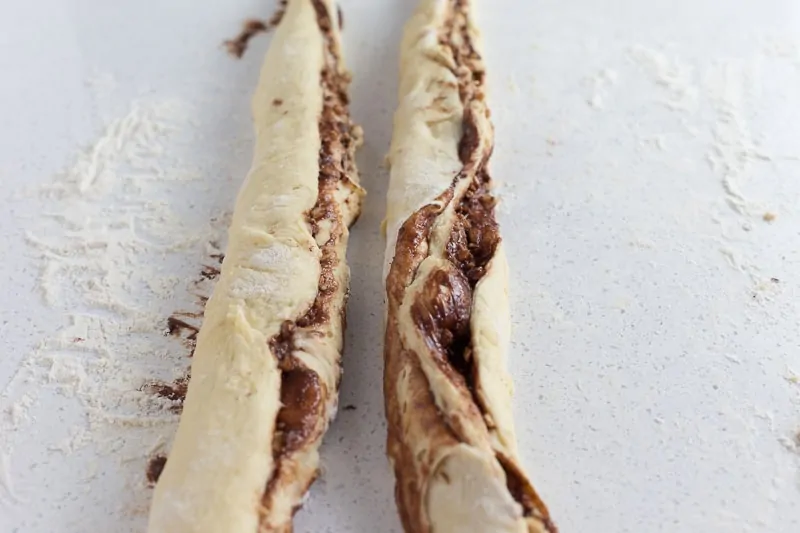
<point>265,374</point>
<point>448,396</point>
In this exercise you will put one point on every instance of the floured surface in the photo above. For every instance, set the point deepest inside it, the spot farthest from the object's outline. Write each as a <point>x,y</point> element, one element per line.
<point>640,147</point>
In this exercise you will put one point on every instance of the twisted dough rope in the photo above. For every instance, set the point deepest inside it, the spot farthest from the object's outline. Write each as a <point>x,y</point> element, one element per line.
<point>451,436</point>
<point>266,370</point>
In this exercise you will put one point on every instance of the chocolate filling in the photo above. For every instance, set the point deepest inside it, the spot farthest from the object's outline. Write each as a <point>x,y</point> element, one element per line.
<point>524,493</point>
<point>302,393</point>
<point>475,235</point>
<point>282,345</point>
<point>442,312</point>
<point>443,307</point>
<point>302,403</point>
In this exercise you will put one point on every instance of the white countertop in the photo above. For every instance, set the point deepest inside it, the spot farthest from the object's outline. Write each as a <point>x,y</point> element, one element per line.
<point>640,147</point>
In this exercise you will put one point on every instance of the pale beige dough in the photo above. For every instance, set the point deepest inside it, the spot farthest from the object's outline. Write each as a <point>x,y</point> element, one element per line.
<point>222,459</point>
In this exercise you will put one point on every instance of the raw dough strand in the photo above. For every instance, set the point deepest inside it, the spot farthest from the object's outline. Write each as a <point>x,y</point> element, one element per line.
<point>266,370</point>
<point>451,436</point>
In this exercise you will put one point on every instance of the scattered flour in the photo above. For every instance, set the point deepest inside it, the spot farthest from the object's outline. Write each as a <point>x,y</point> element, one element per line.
<point>791,444</point>
<point>727,88</point>
<point>676,77</point>
<point>779,46</point>
<point>110,241</point>
<point>733,148</point>
<point>7,492</point>
<point>717,102</point>
<point>601,82</point>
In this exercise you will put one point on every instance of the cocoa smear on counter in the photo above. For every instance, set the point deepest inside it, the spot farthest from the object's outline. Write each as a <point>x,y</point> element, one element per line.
<point>238,45</point>
<point>175,391</point>
<point>185,325</point>
<point>176,327</point>
<point>252,27</point>
<point>154,468</point>
<point>209,272</point>
<point>186,332</point>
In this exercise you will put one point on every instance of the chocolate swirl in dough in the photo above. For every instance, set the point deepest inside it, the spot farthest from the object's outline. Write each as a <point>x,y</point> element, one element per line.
<point>266,370</point>
<point>451,436</point>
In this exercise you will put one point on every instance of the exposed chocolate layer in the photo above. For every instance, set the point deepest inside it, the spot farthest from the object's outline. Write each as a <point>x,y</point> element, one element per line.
<point>412,248</point>
<point>412,242</point>
<point>441,310</point>
<point>303,395</point>
<point>442,313</point>
<point>282,344</point>
<point>475,235</point>
<point>523,492</point>
<point>302,405</point>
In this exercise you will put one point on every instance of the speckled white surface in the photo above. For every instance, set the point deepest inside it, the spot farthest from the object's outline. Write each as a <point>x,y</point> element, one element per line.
<point>639,145</point>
